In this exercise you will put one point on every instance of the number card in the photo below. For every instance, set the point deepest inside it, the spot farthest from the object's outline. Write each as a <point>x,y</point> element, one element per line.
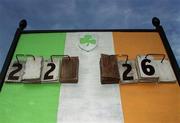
<point>165,71</point>
<point>32,72</point>
<point>69,70</point>
<point>128,72</point>
<point>15,71</point>
<point>50,71</point>
<point>147,69</point>
<point>109,69</point>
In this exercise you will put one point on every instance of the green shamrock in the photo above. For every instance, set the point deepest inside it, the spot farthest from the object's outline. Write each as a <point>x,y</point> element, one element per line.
<point>87,39</point>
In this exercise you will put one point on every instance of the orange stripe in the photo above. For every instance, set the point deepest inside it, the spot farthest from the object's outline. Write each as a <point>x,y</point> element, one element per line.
<point>146,103</point>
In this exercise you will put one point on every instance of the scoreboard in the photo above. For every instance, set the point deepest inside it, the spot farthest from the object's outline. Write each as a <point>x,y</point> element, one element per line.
<point>111,76</point>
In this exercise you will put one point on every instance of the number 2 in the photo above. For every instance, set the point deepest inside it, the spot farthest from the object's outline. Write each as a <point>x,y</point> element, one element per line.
<point>46,75</point>
<point>11,75</point>
<point>129,68</point>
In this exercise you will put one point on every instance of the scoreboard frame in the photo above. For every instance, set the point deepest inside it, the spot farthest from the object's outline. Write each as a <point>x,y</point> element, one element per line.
<point>155,21</point>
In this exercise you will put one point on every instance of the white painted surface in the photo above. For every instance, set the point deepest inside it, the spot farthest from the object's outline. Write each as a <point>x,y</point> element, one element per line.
<point>32,69</point>
<point>165,71</point>
<point>89,101</point>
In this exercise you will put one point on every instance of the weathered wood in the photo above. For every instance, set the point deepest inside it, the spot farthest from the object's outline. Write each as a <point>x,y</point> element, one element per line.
<point>32,72</point>
<point>69,70</point>
<point>109,69</point>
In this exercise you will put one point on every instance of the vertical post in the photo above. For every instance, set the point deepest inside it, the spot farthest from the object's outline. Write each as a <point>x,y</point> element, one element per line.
<point>22,26</point>
<point>175,66</point>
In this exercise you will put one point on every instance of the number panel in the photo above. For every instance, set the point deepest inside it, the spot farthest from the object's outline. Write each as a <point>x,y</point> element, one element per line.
<point>143,70</point>
<point>128,73</point>
<point>165,71</point>
<point>32,72</point>
<point>50,72</point>
<point>147,69</point>
<point>15,72</point>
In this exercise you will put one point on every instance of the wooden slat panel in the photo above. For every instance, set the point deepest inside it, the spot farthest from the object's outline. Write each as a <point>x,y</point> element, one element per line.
<point>109,69</point>
<point>69,70</point>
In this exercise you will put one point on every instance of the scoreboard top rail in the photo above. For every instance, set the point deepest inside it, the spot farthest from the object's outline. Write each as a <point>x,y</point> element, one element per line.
<point>155,21</point>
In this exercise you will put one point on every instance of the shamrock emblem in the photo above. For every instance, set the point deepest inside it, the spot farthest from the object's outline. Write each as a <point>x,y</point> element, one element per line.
<point>88,42</point>
<point>88,39</point>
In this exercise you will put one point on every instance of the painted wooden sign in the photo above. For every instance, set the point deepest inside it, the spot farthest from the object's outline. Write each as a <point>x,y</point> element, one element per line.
<point>135,82</point>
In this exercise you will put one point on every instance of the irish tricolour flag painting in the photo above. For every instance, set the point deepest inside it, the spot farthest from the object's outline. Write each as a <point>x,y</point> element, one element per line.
<point>142,95</point>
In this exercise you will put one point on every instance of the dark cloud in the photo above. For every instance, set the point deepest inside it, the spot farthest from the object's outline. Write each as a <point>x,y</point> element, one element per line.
<point>86,14</point>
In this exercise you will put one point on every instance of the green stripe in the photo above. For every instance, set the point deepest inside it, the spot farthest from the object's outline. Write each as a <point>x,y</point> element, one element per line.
<point>33,103</point>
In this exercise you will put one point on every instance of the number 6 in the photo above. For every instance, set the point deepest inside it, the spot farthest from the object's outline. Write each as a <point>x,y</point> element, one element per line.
<point>147,69</point>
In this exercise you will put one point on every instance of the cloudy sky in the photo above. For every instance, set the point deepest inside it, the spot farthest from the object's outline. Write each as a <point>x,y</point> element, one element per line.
<point>88,14</point>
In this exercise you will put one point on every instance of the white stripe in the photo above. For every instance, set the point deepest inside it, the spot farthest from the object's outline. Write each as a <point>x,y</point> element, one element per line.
<point>89,101</point>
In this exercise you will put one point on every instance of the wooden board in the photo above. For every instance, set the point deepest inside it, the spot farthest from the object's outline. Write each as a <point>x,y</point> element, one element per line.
<point>109,69</point>
<point>69,70</point>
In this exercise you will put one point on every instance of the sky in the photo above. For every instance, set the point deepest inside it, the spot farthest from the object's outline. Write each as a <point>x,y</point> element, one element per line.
<point>88,14</point>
